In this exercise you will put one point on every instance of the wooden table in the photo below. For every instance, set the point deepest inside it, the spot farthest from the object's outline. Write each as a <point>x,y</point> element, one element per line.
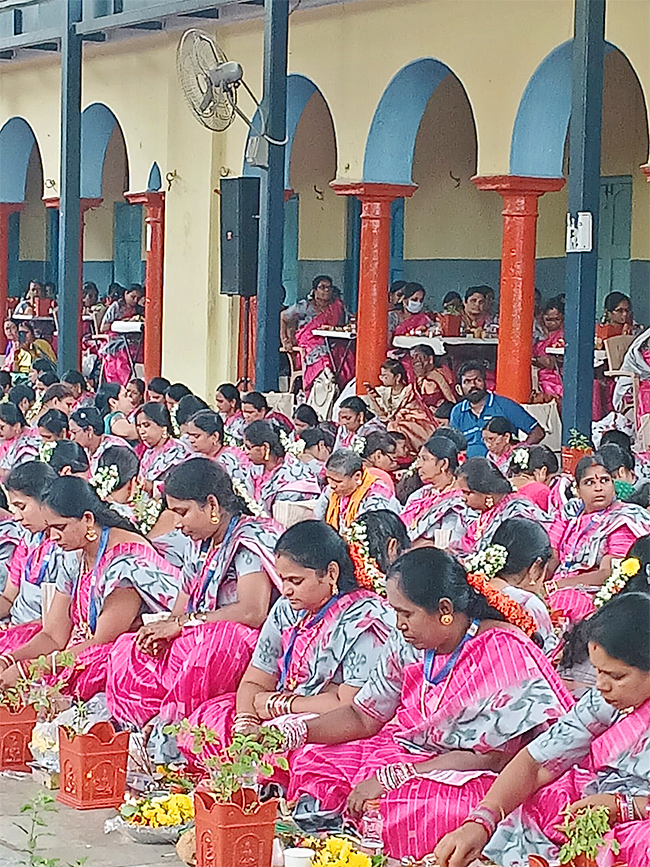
<point>600,356</point>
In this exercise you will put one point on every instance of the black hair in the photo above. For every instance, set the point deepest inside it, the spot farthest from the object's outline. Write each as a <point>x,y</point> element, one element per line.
<point>29,327</point>
<point>124,460</point>
<point>483,477</point>
<point>612,301</point>
<point>57,390</point>
<point>31,479</point>
<point>158,414</point>
<point>10,414</point>
<point>314,545</point>
<point>619,438</point>
<point>139,384</point>
<point>54,421</point>
<point>621,628</point>
<point>314,435</point>
<point>318,278</point>
<point>199,479</point>
<point>499,425</point>
<point>409,289</point>
<point>615,458</point>
<point>396,368</point>
<point>21,392</point>
<point>538,458</point>
<point>4,502</point>
<point>344,461</point>
<point>259,433</point>
<point>42,364</point>
<point>5,378</point>
<point>395,286</point>
<point>358,405</point>
<point>485,291</point>
<point>90,288</point>
<point>158,385</point>
<point>378,441</point>
<point>256,400</point>
<point>424,349</point>
<point>209,422</point>
<point>641,495</point>
<point>444,410</point>
<point>176,391</point>
<point>443,448</point>
<point>116,292</point>
<point>306,414</point>
<point>107,391</point>
<point>71,497</point>
<point>230,392</point>
<point>188,406</point>
<point>471,366</point>
<point>382,525</point>
<point>525,541</point>
<point>67,453</point>
<point>457,437</point>
<point>586,463</point>
<point>73,377</point>
<point>427,575</point>
<point>48,378</point>
<point>556,303</point>
<point>88,417</point>
<point>451,297</point>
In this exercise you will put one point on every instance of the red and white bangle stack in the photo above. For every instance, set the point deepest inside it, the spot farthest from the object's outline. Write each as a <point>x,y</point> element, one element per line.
<point>485,817</point>
<point>391,777</point>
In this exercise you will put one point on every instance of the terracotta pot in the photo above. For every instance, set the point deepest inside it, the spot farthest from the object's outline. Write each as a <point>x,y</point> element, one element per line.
<point>15,735</point>
<point>93,767</point>
<point>579,861</point>
<point>571,458</point>
<point>450,324</point>
<point>604,332</point>
<point>226,836</point>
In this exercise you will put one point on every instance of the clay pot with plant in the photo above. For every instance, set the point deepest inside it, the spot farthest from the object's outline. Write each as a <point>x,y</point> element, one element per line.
<point>578,447</point>
<point>585,837</point>
<point>234,828</point>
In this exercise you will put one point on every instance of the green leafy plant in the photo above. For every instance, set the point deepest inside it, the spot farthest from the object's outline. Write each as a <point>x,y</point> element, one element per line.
<point>80,719</point>
<point>36,812</point>
<point>585,832</point>
<point>33,689</point>
<point>578,441</point>
<point>238,765</point>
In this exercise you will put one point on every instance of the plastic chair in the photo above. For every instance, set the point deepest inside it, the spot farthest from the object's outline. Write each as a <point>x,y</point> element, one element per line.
<point>616,348</point>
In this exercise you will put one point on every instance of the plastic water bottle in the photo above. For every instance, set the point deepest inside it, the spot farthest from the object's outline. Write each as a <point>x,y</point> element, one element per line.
<point>372,827</point>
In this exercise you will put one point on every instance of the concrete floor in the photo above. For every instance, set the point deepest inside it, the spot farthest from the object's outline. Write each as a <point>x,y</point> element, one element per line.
<point>75,834</point>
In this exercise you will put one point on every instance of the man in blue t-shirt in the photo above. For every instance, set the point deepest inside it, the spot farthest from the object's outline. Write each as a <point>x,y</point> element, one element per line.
<point>480,405</point>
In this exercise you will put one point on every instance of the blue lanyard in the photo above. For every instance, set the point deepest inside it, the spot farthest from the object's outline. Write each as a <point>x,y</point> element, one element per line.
<point>92,602</point>
<point>30,560</point>
<point>215,560</point>
<point>316,619</point>
<point>430,657</point>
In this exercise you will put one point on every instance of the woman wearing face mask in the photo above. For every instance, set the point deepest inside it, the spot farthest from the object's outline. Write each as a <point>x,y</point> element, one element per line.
<point>351,490</point>
<point>438,509</point>
<point>318,645</point>
<point>585,537</point>
<point>162,451</point>
<point>36,561</point>
<point>409,317</point>
<point>515,563</point>
<point>203,648</point>
<point>597,755</point>
<point>118,572</point>
<point>456,689</point>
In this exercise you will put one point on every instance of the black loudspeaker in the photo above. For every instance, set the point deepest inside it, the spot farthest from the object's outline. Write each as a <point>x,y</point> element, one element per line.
<point>240,209</point>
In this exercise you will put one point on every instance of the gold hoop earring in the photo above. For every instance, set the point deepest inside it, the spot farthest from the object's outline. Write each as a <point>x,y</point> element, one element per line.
<point>91,534</point>
<point>446,619</point>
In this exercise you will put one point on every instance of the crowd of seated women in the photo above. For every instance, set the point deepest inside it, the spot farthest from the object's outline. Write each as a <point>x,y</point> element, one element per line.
<point>458,644</point>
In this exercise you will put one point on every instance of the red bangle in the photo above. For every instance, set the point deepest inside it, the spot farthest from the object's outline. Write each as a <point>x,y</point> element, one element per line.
<point>479,820</point>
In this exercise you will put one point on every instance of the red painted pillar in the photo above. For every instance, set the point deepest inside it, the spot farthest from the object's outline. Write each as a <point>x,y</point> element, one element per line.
<point>6,209</point>
<point>154,204</point>
<point>374,272</point>
<point>517,287</point>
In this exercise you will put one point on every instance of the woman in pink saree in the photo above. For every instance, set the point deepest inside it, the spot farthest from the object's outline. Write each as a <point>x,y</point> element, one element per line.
<point>456,692</point>
<point>19,442</point>
<point>162,451</point>
<point>409,317</point>
<point>116,573</point>
<point>585,537</point>
<point>315,352</point>
<point>597,755</point>
<point>488,492</point>
<point>203,648</point>
<point>550,375</point>
<point>534,472</point>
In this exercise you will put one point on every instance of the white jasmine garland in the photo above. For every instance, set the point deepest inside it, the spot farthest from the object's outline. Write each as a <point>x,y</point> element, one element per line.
<point>520,458</point>
<point>146,510</point>
<point>105,481</point>
<point>358,444</point>
<point>356,534</point>
<point>291,447</point>
<point>255,508</point>
<point>489,562</point>
<point>45,452</point>
<point>622,571</point>
<point>173,410</point>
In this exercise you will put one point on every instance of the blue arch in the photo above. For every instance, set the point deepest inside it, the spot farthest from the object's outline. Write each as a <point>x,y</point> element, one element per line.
<point>97,125</point>
<point>542,121</point>
<point>300,90</point>
<point>17,141</point>
<point>155,179</point>
<point>391,140</point>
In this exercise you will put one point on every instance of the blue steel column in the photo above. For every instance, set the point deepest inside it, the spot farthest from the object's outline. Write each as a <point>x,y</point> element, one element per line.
<point>269,277</point>
<point>69,277</point>
<point>584,195</point>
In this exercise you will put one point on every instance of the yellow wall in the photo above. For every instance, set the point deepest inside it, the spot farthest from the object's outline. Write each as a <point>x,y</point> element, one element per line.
<point>351,51</point>
<point>99,222</point>
<point>32,217</point>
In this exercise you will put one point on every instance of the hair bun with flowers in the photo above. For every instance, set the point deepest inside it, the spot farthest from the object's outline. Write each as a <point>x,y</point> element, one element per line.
<point>241,491</point>
<point>622,571</point>
<point>45,451</point>
<point>358,444</point>
<point>366,569</point>
<point>490,561</point>
<point>105,480</point>
<point>520,459</point>
<point>512,611</point>
<point>291,446</point>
